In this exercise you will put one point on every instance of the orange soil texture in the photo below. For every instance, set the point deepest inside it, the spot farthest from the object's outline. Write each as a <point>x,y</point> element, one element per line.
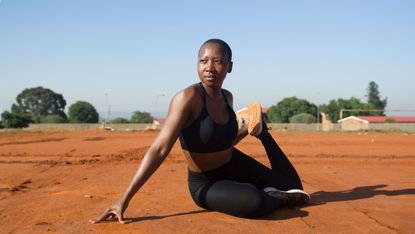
<point>55,182</point>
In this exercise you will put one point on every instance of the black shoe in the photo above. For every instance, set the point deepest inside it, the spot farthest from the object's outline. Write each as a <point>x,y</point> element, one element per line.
<point>297,197</point>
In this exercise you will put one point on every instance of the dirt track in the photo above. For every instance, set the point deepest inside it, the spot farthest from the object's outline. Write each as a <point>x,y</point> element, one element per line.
<point>56,181</point>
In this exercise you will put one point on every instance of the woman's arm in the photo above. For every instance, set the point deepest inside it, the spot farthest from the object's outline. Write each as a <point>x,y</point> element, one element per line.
<point>177,116</point>
<point>242,133</point>
<point>243,130</point>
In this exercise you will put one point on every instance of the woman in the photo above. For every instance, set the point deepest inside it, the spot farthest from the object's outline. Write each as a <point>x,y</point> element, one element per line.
<point>220,177</point>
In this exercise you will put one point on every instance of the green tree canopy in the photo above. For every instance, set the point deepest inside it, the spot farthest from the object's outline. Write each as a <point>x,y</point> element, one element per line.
<point>334,107</point>
<point>83,112</point>
<point>39,102</point>
<point>287,107</point>
<point>373,97</point>
<point>141,117</point>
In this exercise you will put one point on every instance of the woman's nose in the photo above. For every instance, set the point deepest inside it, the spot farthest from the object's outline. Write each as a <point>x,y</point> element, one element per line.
<point>209,65</point>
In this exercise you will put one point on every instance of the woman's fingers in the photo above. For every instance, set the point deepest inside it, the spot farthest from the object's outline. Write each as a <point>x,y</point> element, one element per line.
<point>105,216</point>
<point>113,212</point>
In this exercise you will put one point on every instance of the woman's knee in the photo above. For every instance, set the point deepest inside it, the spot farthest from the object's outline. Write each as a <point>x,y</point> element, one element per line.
<point>250,204</point>
<point>239,199</point>
<point>254,205</point>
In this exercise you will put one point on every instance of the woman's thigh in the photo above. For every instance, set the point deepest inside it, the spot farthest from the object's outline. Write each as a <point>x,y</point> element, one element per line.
<point>239,199</point>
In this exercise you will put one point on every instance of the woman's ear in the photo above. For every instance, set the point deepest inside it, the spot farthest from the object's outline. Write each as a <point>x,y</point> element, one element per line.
<point>230,67</point>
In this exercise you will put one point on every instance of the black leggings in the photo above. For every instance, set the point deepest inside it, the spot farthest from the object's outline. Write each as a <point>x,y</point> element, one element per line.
<point>236,188</point>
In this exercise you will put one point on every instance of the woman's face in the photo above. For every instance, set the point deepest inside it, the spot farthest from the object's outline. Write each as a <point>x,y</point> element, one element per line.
<point>213,64</point>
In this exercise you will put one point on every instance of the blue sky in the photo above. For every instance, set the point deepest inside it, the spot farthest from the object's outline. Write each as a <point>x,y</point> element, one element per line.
<point>135,51</point>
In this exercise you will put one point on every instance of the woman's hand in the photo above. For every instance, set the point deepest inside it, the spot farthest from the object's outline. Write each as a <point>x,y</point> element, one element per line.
<point>115,210</point>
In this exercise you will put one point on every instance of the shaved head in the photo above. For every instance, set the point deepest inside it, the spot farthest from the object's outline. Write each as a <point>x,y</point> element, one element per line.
<point>224,46</point>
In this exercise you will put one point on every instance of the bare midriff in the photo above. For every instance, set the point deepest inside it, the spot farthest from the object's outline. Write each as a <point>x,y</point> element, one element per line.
<point>201,162</point>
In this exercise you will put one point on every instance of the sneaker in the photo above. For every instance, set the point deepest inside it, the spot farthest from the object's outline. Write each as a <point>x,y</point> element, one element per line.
<point>297,197</point>
<point>293,197</point>
<point>255,119</point>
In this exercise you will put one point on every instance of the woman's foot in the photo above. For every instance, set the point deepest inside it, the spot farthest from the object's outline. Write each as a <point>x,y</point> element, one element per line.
<point>252,119</point>
<point>292,197</point>
<point>255,119</point>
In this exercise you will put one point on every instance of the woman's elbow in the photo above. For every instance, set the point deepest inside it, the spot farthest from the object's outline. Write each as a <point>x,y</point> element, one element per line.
<point>160,151</point>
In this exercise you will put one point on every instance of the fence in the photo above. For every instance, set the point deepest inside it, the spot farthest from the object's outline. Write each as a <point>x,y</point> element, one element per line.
<point>84,127</point>
<point>406,127</point>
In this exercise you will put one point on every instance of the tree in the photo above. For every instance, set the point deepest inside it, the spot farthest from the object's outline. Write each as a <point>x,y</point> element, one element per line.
<point>373,97</point>
<point>334,107</point>
<point>15,120</point>
<point>141,117</point>
<point>83,112</point>
<point>287,107</point>
<point>39,102</point>
<point>303,118</point>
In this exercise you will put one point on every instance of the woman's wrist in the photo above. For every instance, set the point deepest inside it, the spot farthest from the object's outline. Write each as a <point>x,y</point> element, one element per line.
<point>123,203</point>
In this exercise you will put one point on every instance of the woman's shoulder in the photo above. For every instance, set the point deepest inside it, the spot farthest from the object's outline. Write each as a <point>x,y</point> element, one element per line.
<point>192,90</point>
<point>189,94</point>
<point>228,95</point>
<point>227,92</point>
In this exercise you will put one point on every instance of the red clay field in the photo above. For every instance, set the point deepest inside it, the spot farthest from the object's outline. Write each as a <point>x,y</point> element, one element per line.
<point>54,182</point>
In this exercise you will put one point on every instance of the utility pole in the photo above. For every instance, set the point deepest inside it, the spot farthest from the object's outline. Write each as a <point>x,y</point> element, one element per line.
<point>108,107</point>
<point>155,104</point>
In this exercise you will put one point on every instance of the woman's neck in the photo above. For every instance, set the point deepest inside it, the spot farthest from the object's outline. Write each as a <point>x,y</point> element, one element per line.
<point>213,93</point>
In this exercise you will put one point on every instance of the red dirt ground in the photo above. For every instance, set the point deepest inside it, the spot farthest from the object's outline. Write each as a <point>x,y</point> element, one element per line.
<point>56,181</point>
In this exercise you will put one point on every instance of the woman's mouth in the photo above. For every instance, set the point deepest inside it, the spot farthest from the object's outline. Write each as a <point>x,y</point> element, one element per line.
<point>210,77</point>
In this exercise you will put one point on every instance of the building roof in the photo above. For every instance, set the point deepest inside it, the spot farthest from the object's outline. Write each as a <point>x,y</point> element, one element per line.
<point>382,119</point>
<point>355,118</point>
<point>159,121</point>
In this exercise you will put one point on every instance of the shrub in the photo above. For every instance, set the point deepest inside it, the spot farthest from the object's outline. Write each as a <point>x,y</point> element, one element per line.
<point>141,117</point>
<point>15,120</point>
<point>303,118</point>
<point>53,119</point>
<point>120,120</point>
<point>390,120</point>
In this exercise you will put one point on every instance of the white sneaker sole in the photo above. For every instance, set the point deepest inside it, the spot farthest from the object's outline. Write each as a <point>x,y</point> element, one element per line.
<point>304,196</point>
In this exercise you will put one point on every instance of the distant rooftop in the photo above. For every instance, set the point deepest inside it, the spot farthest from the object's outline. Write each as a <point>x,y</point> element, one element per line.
<point>382,119</point>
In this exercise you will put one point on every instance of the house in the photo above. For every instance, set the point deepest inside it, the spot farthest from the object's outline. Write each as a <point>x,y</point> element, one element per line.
<point>353,123</point>
<point>157,124</point>
<point>159,121</point>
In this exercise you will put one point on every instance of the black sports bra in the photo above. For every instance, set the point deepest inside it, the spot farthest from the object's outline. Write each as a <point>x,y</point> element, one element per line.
<point>204,135</point>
